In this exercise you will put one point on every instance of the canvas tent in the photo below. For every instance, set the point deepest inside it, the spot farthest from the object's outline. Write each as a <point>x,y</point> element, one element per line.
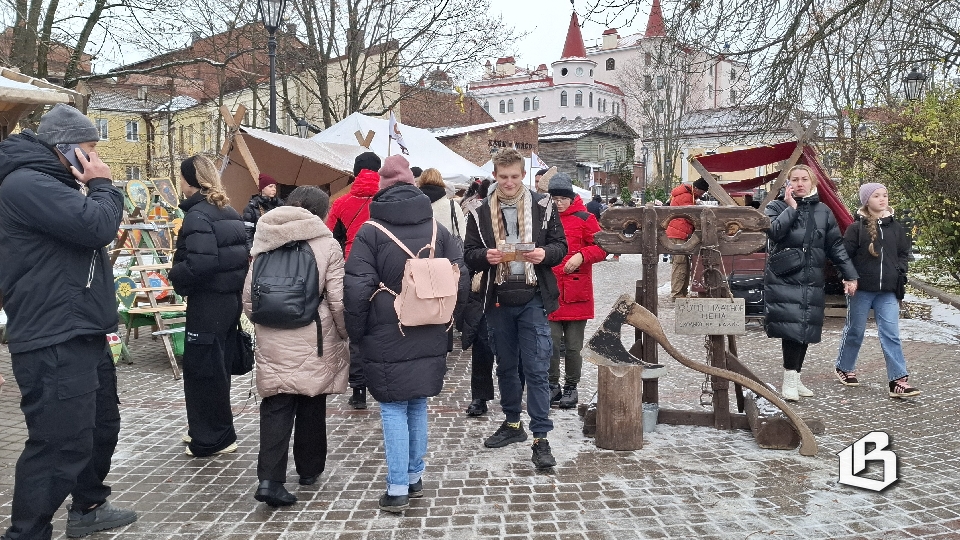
<point>290,160</point>
<point>21,95</point>
<point>425,150</point>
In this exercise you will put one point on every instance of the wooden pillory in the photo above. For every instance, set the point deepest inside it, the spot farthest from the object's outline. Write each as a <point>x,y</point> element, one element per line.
<point>718,231</point>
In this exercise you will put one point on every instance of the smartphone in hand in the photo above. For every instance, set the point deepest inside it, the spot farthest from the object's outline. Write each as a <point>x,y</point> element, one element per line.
<point>68,152</point>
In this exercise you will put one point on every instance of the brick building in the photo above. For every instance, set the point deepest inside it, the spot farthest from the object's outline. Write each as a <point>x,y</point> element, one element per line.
<point>478,142</point>
<point>438,106</point>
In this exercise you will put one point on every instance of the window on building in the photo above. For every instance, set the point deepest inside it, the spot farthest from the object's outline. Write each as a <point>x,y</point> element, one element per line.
<point>711,69</point>
<point>578,99</point>
<point>709,91</point>
<point>563,98</point>
<point>591,100</point>
<point>536,104</point>
<point>733,95</point>
<point>526,104</point>
<point>733,75</point>
<point>591,73</point>
<point>604,105</point>
<point>133,173</point>
<point>103,128</point>
<point>600,152</point>
<point>659,107</point>
<point>661,82</point>
<point>563,72</point>
<point>648,83</point>
<point>486,106</point>
<point>647,59</point>
<point>203,139</point>
<point>503,106</point>
<point>611,64</point>
<point>133,130</point>
<point>191,132</point>
<point>509,105</point>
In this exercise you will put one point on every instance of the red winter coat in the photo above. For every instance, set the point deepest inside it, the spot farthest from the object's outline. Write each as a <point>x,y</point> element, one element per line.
<point>576,289</point>
<point>680,228</point>
<point>353,209</point>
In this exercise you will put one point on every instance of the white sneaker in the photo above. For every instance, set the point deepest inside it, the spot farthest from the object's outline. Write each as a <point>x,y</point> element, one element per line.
<point>186,438</point>
<point>228,450</point>
<point>802,390</point>
<point>790,390</point>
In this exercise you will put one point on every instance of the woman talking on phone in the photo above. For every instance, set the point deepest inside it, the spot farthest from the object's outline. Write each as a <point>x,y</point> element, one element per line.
<point>803,234</point>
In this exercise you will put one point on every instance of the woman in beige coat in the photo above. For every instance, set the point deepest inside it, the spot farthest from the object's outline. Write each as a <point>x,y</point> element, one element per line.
<point>292,380</point>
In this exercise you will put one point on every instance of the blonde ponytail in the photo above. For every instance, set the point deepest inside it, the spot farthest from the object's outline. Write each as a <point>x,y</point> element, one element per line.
<point>209,179</point>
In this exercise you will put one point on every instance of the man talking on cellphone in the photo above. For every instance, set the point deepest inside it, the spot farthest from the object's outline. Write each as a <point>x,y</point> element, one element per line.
<point>57,288</point>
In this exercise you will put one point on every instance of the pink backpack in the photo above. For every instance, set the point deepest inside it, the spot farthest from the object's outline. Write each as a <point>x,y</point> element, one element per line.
<point>428,291</point>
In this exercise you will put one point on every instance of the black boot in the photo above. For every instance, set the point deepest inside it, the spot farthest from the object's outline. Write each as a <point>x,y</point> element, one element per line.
<point>359,398</point>
<point>555,394</point>
<point>274,494</point>
<point>477,407</point>
<point>569,398</point>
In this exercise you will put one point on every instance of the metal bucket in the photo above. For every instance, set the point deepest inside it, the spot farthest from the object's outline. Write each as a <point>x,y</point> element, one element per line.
<point>650,412</point>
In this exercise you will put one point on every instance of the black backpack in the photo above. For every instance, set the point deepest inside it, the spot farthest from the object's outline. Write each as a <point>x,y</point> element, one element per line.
<point>285,289</point>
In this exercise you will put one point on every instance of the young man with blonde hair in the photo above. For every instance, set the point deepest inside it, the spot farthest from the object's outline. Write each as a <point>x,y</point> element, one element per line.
<point>515,239</point>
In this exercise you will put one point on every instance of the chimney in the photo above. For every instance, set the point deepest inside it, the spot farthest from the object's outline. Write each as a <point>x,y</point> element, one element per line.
<point>506,66</point>
<point>610,39</point>
<point>488,69</point>
<point>194,37</point>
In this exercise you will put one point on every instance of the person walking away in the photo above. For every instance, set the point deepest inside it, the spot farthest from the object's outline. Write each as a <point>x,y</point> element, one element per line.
<point>58,293</point>
<point>575,280</point>
<point>260,204</point>
<point>595,206</point>
<point>403,366</point>
<point>879,248</point>
<point>679,231</point>
<point>519,294</point>
<point>209,266</point>
<point>793,281</point>
<point>294,377</point>
<point>347,215</point>
<point>473,323</point>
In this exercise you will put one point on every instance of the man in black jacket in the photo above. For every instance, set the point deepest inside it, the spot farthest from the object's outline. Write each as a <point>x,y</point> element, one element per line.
<point>57,284</point>
<point>515,240</point>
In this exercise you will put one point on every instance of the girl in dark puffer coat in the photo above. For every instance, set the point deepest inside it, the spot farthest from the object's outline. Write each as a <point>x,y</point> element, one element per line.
<point>794,301</point>
<point>879,248</point>
<point>402,369</point>
<point>209,267</point>
<point>260,204</point>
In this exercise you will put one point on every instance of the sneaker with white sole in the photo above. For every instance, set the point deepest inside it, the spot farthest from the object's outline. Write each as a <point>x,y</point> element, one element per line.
<point>900,388</point>
<point>847,378</point>
<point>228,450</point>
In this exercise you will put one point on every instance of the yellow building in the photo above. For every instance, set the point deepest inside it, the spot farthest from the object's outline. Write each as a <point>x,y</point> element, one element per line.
<point>124,121</point>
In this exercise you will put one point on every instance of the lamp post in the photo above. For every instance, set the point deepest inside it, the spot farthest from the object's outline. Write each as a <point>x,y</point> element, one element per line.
<point>303,128</point>
<point>272,13</point>
<point>913,84</point>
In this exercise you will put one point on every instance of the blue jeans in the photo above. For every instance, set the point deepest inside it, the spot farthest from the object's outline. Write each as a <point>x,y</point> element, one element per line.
<point>523,332</point>
<point>405,442</point>
<point>886,310</point>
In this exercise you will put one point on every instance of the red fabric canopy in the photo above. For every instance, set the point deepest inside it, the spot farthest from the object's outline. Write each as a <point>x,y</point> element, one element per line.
<point>750,158</point>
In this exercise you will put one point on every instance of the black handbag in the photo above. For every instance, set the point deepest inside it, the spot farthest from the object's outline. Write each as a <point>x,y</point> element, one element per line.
<point>243,359</point>
<point>514,293</point>
<point>789,261</point>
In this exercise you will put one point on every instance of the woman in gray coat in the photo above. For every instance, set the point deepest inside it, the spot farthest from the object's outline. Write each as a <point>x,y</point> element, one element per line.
<point>793,294</point>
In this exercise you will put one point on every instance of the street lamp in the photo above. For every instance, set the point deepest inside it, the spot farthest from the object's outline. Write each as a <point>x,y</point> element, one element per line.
<point>303,128</point>
<point>913,84</point>
<point>272,13</point>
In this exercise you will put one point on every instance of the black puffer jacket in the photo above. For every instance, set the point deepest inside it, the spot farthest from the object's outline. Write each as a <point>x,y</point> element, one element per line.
<point>552,239</point>
<point>794,304</point>
<point>256,208</point>
<point>212,253</point>
<point>54,271</point>
<point>878,274</point>
<point>398,367</point>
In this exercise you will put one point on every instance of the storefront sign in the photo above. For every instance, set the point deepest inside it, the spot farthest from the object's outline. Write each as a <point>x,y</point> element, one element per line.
<point>494,143</point>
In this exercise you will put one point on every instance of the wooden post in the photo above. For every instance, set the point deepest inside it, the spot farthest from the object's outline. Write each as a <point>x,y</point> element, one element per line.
<point>619,407</point>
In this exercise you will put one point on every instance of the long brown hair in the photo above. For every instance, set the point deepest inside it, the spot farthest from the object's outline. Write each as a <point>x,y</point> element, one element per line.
<point>209,179</point>
<point>871,224</point>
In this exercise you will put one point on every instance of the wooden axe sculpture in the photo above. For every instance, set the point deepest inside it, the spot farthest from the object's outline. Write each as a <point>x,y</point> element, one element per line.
<point>606,348</point>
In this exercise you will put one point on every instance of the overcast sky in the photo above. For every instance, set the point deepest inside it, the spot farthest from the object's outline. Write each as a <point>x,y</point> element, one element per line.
<point>546,21</point>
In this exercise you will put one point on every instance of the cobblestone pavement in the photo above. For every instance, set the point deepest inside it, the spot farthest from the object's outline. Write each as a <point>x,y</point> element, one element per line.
<point>685,483</point>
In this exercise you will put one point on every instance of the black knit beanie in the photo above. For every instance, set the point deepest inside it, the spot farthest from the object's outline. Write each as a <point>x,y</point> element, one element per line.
<point>189,172</point>
<point>366,160</point>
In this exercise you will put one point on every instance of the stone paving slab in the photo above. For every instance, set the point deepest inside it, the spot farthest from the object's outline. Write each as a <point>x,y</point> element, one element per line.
<point>685,483</point>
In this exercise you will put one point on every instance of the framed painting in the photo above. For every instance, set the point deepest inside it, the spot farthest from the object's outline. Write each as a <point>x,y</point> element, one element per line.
<point>139,194</point>
<point>168,195</point>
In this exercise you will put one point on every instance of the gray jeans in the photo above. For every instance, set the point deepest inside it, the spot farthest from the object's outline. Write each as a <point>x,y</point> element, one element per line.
<point>571,332</point>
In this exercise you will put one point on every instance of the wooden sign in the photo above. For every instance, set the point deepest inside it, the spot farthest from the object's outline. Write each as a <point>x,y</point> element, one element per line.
<point>710,316</point>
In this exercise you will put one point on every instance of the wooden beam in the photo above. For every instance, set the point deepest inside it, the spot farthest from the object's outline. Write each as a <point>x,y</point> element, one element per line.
<point>232,121</point>
<point>791,161</point>
<point>715,188</point>
<point>248,161</point>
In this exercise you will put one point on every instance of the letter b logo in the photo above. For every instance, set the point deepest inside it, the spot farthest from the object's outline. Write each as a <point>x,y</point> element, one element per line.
<point>854,458</point>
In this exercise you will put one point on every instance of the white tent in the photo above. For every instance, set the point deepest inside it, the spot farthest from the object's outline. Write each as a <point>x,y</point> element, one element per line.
<point>425,150</point>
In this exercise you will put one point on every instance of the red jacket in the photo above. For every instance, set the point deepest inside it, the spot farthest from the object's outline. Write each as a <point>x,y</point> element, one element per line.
<point>576,289</point>
<point>353,209</point>
<point>680,228</point>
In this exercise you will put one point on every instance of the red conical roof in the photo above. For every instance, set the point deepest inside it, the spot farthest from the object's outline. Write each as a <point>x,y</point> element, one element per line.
<point>655,26</point>
<point>573,47</point>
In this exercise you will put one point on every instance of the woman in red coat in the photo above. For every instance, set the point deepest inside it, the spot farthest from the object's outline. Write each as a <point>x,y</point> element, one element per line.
<point>575,280</point>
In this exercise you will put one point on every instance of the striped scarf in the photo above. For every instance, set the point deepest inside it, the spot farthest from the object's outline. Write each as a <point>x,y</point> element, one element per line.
<point>524,203</point>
